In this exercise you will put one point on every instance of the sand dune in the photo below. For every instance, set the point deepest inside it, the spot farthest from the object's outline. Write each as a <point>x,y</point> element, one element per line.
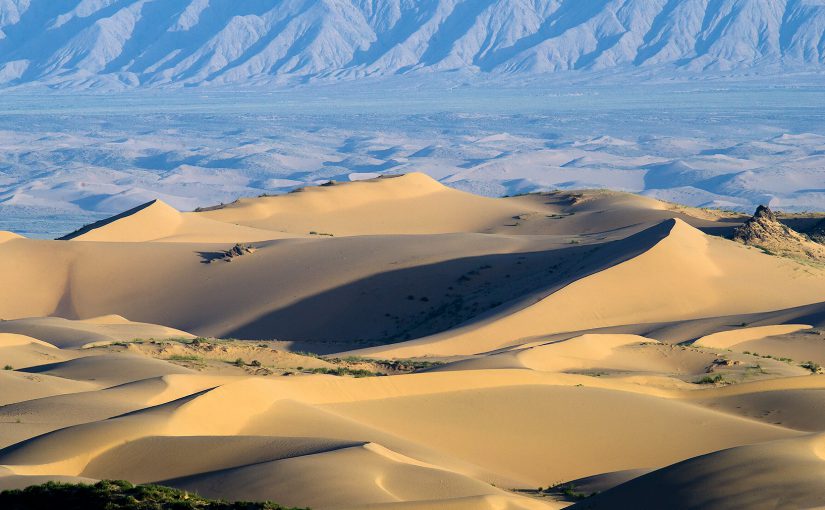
<point>597,338</point>
<point>19,386</point>
<point>681,274</point>
<point>96,330</point>
<point>158,221</point>
<point>448,402</point>
<point>379,206</point>
<point>6,236</point>
<point>349,477</point>
<point>781,474</point>
<point>731,339</point>
<point>20,351</point>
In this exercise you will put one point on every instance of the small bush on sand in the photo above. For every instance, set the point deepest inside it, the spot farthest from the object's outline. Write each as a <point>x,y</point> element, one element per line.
<point>116,495</point>
<point>711,380</point>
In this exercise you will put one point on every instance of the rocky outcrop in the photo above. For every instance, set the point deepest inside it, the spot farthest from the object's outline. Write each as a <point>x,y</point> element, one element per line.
<point>764,230</point>
<point>238,250</point>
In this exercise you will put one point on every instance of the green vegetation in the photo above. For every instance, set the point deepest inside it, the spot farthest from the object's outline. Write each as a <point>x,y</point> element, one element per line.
<point>116,495</point>
<point>400,365</point>
<point>341,371</point>
<point>711,380</point>
<point>8,367</point>
<point>568,491</point>
<point>184,357</point>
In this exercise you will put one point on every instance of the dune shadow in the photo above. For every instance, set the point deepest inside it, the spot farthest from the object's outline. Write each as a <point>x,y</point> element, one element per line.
<point>207,257</point>
<point>419,301</point>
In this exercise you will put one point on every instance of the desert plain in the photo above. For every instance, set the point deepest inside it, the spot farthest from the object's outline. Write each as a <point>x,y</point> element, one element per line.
<point>397,344</point>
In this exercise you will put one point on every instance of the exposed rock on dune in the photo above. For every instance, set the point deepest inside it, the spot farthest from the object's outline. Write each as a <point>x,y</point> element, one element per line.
<point>239,250</point>
<point>765,231</point>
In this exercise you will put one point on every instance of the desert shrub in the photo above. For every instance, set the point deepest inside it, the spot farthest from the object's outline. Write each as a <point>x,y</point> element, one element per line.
<point>711,380</point>
<point>184,357</point>
<point>568,490</point>
<point>342,371</point>
<point>8,367</point>
<point>116,495</point>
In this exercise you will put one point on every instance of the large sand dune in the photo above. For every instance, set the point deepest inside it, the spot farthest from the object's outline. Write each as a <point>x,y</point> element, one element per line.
<point>596,338</point>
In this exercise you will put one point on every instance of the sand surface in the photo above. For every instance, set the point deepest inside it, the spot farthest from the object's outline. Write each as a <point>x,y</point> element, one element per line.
<point>461,353</point>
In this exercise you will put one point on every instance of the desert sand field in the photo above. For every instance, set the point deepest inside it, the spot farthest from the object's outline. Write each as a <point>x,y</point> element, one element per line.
<point>394,344</point>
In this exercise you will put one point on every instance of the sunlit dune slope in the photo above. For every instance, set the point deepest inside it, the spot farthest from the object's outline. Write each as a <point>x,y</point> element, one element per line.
<point>680,274</point>
<point>157,221</point>
<point>407,204</point>
<point>781,474</point>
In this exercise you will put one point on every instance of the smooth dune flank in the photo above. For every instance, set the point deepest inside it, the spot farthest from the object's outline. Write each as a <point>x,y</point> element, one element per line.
<point>395,344</point>
<point>158,221</point>
<point>729,339</point>
<point>374,207</point>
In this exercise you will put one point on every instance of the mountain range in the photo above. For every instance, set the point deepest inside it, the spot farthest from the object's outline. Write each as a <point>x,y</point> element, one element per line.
<point>141,43</point>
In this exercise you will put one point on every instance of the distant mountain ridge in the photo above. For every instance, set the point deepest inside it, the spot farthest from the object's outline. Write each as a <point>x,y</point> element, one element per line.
<point>131,43</point>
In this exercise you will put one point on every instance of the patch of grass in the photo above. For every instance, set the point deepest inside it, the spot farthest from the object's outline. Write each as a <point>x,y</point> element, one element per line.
<point>308,354</point>
<point>568,490</point>
<point>398,365</point>
<point>342,371</point>
<point>755,370</point>
<point>711,380</point>
<point>116,495</point>
<point>184,357</point>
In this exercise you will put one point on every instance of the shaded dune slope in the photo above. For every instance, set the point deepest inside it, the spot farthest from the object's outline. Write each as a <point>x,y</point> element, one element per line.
<point>683,275</point>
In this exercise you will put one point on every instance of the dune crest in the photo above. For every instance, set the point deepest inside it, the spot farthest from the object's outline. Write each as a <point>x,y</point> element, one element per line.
<point>682,274</point>
<point>158,221</point>
<point>780,474</point>
<point>8,236</point>
<point>730,339</point>
<point>412,203</point>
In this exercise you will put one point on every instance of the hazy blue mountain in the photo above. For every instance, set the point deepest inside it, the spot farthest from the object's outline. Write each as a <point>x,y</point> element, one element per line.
<point>87,43</point>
